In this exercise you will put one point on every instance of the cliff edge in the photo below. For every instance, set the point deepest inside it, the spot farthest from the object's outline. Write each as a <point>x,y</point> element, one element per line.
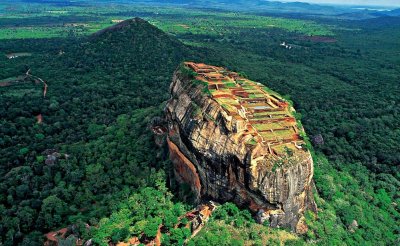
<point>233,139</point>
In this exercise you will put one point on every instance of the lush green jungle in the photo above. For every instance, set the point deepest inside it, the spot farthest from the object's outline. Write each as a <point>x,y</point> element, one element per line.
<point>76,149</point>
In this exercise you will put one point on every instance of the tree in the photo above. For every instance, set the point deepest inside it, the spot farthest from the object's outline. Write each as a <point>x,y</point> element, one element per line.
<point>151,227</point>
<point>52,211</point>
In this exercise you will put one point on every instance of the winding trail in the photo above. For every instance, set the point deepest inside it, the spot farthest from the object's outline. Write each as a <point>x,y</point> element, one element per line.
<point>41,80</point>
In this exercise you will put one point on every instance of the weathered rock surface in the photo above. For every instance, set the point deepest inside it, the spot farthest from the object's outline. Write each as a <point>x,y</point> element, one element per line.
<point>211,154</point>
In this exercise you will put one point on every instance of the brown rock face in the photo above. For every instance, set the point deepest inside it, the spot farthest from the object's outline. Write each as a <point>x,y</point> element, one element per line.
<point>233,139</point>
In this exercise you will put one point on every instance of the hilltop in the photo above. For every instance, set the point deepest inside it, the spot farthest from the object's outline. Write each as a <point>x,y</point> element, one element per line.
<point>239,142</point>
<point>135,43</point>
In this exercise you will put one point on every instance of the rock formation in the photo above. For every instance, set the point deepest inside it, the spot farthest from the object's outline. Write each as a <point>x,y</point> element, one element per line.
<point>232,139</point>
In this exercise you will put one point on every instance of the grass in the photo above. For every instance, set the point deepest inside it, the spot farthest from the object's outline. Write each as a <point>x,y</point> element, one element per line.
<point>227,107</point>
<point>284,133</point>
<point>267,126</point>
<point>281,149</point>
<point>267,136</point>
<point>230,85</point>
<point>252,141</point>
<point>256,95</point>
<point>263,114</point>
<point>227,101</point>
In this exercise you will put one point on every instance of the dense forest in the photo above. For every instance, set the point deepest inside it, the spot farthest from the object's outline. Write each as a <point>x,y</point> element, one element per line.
<point>103,92</point>
<point>92,160</point>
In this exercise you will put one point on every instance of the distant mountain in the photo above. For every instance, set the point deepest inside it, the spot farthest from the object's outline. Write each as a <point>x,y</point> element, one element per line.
<point>256,6</point>
<point>282,7</point>
<point>361,14</point>
<point>381,22</point>
<point>260,6</point>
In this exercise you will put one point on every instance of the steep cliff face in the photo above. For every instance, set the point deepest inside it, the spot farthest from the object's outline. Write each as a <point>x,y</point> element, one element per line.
<point>233,139</point>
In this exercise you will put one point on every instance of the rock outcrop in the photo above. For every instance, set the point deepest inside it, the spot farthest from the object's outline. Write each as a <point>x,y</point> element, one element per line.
<point>233,139</point>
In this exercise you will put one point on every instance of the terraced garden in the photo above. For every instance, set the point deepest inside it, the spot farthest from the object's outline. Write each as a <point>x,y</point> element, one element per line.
<point>255,114</point>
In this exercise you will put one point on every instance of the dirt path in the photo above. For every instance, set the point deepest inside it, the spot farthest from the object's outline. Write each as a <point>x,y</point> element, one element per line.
<point>21,78</point>
<point>4,84</point>
<point>39,118</point>
<point>41,80</point>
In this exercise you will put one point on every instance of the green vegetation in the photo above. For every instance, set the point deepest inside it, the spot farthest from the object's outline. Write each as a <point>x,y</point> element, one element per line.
<point>189,73</point>
<point>96,114</point>
<point>197,82</point>
<point>230,85</point>
<point>352,195</point>
<point>252,141</point>
<point>197,110</point>
<point>219,24</point>
<point>34,32</point>
<point>231,226</point>
<point>72,21</point>
<point>140,216</point>
<point>105,89</point>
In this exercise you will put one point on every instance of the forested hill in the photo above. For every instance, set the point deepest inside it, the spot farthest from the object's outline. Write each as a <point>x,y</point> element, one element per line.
<point>137,44</point>
<point>102,93</point>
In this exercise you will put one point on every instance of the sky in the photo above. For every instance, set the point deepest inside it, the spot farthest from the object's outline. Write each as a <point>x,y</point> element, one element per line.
<point>357,2</point>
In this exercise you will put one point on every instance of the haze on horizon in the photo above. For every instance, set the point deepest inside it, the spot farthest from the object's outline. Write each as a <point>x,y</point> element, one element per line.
<point>392,3</point>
